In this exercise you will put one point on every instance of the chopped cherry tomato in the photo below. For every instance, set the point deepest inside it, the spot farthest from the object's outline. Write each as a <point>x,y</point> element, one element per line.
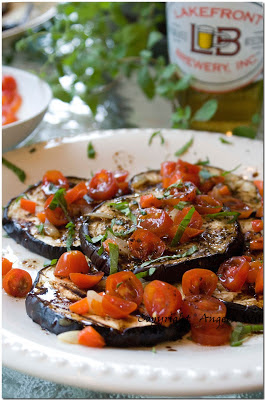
<point>219,191</point>
<point>121,175</point>
<point>41,217</point>
<point>172,172</point>
<point>205,204</point>
<point>28,205</point>
<point>144,244</point>
<point>257,225</point>
<point>211,335</point>
<point>259,185</point>
<point>9,83</point>
<point>233,273</point>
<point>259,282</point>
<point>203,309</point>
<point>162,301</point>
<point>193,228</point>
<point>156,221</point>
<point>123,187</point>
<point>69,262</point>
<point>125,285</point>
<point>17,282</point>
<point>185,191</point>
<point>84,281</point>
<point>77,193</point>
<point>237,205</point>
<point>106,244</point>
<point>117,308</point>
<point>208,184</point>
<point>256,244</point>
<point>168,168</point>
<point>254,267</point>
<point>80,307</point>
<point>149,200</point>
<point>91,338</point>
<point>199,281</point>
<point>56,217</point>
<point>103,185</point>
<point>6,266</point>
<point>95,303</point>
<point>259,212</point>
<point>56,178</point>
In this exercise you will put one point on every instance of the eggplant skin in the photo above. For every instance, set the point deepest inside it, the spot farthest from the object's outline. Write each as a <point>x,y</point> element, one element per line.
<point>45,313</point>
<point>23,236</point>
<point>242,313</point>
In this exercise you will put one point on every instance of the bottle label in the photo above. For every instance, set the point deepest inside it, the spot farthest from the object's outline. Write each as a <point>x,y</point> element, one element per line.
<point>219,44</point>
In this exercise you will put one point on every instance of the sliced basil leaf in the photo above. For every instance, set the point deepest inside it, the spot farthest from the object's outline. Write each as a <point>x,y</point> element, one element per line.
<point>22,196</point>
<point>95,239</point>
<point>18,171</point>
<point>52,262</point>
<point>40,228</point>
<point>157,133</point>
<point>91,151</point>
<point>224,214</point>
<point>241,332</point>
<point>182,226</point>
<point>123,207</point>
<point>114,258</point>
<point>200,162</point>
<point>222,140</point>
<point>189,252</point>
<point>100,250</point>
<point>231,170</point>
<point>182,204</point>
<point>184,148</point>
<point>143,274</point>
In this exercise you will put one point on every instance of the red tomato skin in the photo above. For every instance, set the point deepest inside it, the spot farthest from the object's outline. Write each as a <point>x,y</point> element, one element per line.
<point>162,301</point>
<point>117,308</point>
<point>257,225</point>
<point>149,200</point>
<point>193,229</point>
<point>256,244</point>
<point>28,205</point>
<point>205,204</point>
<point>144,244</point>
<point>211,335</point>
<point>17,282</point>
<point>259,282</point>
<point>202,309</point>
<point>71,262</point>
<point>185,192</point>
<point>84,281</point>
<point>254,267</point>
<point>199,281</point>
<point>76,193</point>
<point>156,221</point>
<point>56,216</point>
<point>125,285</point>
<point>233,273</point>
<point>103,185</point>
<point>56,178</point>
<point>120,175</point>
<point>6,266</point>
<point>91,338</point>
<point>259,185</point>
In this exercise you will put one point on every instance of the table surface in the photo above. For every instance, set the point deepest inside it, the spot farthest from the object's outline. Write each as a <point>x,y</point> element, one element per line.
<point>123,107</point>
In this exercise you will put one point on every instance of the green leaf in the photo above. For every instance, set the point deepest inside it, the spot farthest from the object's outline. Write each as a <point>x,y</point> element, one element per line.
<point>146,82</point>
<point>95,239</point>
<point>241,332</point>
<point>100,250</point>
<point>206,162</point>
<point>123,207</point>
<point>224,141</point>
<point>121,233</point>
<point>182,226</point>
<point>51,263</point>
<point>182,204</point>
<point>153,38</point>
<point>231,170</point>
<point>183,83</point>
<point>180,118</point>
<point>91,151</point>
<point>206,112</point>
<point>185,148</point>
<point>224,214</point>
<point>143,274</point>
<point>114,258</point>
<point>168,71</point>
<point>157,133</point>
<point>187,253</point>
<point>18,171</point>
<point>245,131</point>
<point>40,228</point>
<point>22,196</point>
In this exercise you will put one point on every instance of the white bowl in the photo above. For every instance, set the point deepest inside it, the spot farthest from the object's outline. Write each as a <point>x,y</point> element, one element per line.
<point>36,96</point>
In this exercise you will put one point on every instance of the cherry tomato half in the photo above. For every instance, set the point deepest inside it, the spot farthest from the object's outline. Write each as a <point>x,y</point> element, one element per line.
<point>149,200</point>
<point>156,221</point>
<point>233,273</point>
<point>205,204</point>
<point>84,281</point>
<point>256,244</point>
<point>199,281</point>
<point>144,244</point>
<point>208,184</point>
<point>103,186</point>
<point>56,217</point>
<point>56,178</point>
<point>257,225</point>
<point>162,301</point>
<point>125,285</point>
<point>237,205</point>
<point>91,338</point>
<point>194,227</point>
<point>211,335</point>
<point>17,282</point>
<point>117,308</point>
<point>203,309</point>
<point>185,191</point>
<point>6,266</point>
<point>76,193</point>
<point>254,267</point>
<point>70,262</point>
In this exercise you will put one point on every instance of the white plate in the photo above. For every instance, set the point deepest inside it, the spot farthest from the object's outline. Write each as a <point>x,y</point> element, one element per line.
<point>36,96</point>
<point>192,370</point>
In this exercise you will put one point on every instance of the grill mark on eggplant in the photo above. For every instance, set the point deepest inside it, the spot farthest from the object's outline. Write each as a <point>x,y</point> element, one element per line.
<point>218,242</point>
<point>55,316</point>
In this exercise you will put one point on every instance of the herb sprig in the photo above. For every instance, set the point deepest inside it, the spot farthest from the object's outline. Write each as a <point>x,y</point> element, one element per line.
<point>241,332</point>
<point>18,171</point>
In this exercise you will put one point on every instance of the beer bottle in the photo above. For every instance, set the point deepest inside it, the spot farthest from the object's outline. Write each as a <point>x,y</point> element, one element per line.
<point>221,46</point>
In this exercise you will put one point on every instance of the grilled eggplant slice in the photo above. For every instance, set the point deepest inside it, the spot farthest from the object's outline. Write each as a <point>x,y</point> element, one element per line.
<point>242,189</point>
<point>219,241</point>
<point>22,226</point>
<point>48,305</point>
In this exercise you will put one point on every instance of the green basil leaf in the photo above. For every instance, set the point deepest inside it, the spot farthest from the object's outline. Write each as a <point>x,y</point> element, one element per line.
<point>241,332</point>
<point>206,112</point>
<point>59,201</point>
<point>95,239</point>
<point>189,252</point>
<point>153,38</point>
<point>91,153</point>
<point>200,162</point>
<point>51,263</point>
<point>182,226</point>
<point>146,82</point>
<point>183,83</point>
<point>114,258</point>
<point>224,141</point>
<point>22,196</point>
<point>18,171</point>
<point>231,170</point>
<point>224,214</point>
<point>40,228</point>
<point>245,131</point>
<point>157,133</point>
<point>182,204</point>
<point>184,148</point>
<point>123,207</point>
